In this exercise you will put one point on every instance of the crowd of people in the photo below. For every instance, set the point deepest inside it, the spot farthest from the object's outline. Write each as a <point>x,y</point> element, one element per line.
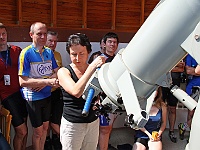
<point>34,83</point>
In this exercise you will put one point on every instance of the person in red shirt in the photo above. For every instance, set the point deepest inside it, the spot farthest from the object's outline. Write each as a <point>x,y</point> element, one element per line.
<point>10,94</point>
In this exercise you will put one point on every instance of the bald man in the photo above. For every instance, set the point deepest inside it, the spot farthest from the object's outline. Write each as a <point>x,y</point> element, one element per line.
<point>37,75</point>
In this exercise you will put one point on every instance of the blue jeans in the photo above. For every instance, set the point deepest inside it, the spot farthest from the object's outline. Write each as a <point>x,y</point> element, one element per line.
<point>3,143</point>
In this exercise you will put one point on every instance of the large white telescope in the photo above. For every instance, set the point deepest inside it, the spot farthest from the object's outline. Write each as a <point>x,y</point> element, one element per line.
<point>161,42</point>
<point>170,32</point>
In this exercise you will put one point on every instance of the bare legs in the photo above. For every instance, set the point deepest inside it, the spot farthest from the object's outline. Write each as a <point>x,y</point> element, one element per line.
<point>39,136</point>
<point>104,135</point>
<point>171,117</point>
<point>20,138</point>
<point>189,117</point>
<point>56,128</point>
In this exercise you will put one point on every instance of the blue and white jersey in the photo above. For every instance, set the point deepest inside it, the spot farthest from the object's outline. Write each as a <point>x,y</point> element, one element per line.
<point>35,65</point>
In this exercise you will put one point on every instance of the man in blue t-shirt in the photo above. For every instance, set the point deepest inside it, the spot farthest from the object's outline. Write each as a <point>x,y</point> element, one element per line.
<point>37,74</point>
<point>193,80</point>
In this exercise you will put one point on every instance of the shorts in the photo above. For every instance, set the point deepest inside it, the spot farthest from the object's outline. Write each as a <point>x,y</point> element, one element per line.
<point>142,141</point>
<point>39,111</point>
<point>169,97</point>
<point>104,122</point>
<point>17,107</point>
<point>56,106</point>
